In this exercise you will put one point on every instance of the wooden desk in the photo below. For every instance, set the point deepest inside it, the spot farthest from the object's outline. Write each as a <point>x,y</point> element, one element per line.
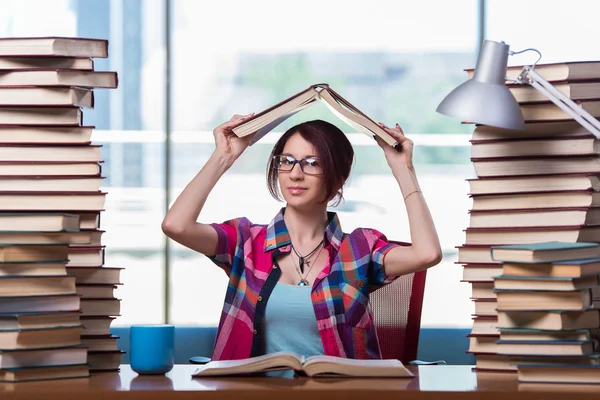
<point>432,382</point>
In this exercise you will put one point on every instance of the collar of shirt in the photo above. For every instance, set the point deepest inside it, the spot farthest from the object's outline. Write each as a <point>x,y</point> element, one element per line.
<point>277,235</point>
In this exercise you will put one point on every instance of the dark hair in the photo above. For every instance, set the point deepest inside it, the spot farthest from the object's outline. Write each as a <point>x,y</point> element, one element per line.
<point>333,149</point>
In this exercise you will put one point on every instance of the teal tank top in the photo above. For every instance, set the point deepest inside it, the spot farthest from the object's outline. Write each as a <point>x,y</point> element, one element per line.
<point>290,323</point>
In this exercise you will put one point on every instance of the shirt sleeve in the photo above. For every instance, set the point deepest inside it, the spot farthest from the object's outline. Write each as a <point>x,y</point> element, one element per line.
<point>231,236</point>
<point>380,246</point>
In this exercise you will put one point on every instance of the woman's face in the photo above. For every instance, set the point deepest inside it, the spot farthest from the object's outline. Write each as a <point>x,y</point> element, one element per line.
<point>301,189</point>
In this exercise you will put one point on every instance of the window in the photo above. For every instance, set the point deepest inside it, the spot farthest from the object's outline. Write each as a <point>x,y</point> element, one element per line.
<point>133,156</point>
<point>394,60</point>
<point>560,31</point>
<point>125,120</point>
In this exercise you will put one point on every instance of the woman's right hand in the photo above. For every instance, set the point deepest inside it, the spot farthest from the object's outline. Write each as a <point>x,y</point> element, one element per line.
<point>228,145</point>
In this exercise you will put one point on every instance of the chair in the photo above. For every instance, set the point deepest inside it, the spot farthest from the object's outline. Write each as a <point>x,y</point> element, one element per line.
<point>397,316</point>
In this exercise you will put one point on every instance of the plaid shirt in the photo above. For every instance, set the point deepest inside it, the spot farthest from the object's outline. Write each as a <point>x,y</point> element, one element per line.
<point>340,293</point>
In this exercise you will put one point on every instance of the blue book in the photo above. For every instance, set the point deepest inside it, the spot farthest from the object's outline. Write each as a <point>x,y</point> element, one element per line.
<point>550,319</point>
<point>545,252</point>
<point>45,372</point>
<point>587,373</point>
<point>567,268</point>
<point>516,334</point>
<point>558,283</point>
<point>550,347</point>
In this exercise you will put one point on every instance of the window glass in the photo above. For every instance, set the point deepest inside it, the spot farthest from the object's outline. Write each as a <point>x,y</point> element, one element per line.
<point>127,120</point>
<point>394,60</point>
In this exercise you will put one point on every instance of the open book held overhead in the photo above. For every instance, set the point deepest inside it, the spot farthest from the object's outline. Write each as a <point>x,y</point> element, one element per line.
<point>266,120</point>
<point>314,366</point>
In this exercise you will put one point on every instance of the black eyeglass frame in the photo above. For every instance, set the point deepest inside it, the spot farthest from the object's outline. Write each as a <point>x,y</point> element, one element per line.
<point>299,162</point>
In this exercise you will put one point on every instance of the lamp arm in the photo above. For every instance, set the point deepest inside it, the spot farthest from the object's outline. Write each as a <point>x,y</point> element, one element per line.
<point>532,78</point>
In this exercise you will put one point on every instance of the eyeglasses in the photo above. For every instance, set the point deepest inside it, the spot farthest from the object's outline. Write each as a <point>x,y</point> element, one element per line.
<point>309,165</point>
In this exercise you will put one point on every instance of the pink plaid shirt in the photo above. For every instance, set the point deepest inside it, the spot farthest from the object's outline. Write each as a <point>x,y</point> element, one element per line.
<point>340,293</point>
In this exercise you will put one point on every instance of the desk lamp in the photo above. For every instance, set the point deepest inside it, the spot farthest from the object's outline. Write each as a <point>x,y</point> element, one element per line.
<point>485,99</point>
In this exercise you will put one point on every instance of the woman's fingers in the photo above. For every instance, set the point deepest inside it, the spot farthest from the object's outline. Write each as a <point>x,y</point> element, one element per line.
<point>234,120</point>
<point>399,128</point>
<point>237,117</point>
<point>397,133</point>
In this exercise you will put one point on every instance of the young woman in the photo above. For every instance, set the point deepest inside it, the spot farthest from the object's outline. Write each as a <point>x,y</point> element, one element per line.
<point>300,283</point>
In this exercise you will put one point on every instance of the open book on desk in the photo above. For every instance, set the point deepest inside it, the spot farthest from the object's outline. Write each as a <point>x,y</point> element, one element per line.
<point>266,120</point>
<point>314,366</point>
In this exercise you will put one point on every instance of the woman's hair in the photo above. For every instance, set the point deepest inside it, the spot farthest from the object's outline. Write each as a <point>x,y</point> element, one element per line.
<point>333,149</point>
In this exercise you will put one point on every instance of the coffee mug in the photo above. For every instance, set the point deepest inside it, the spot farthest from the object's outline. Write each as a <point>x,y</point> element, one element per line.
<point>152,349</point>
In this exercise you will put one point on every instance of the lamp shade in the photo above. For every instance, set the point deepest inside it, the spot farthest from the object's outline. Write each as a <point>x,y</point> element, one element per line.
<point>485,99</point>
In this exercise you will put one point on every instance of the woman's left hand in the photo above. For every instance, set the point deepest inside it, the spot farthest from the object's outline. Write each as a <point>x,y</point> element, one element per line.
<point>393,156</point>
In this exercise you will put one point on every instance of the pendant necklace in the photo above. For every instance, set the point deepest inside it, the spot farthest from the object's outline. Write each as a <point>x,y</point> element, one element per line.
<point>303,281</point>
<point>304,259</point>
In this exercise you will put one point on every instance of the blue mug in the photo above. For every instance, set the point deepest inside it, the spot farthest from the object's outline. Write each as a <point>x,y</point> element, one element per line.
<point>152,349</point>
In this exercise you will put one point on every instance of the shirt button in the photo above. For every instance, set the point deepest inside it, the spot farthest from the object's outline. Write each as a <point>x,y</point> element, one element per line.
<point>274,266</point>
<point>259,298</point>
<point>255,332</point>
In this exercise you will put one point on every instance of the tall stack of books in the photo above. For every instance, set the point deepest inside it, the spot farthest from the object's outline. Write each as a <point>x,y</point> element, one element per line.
<point>56,295</point>
<point>537,185</point>
<point>548,315</point>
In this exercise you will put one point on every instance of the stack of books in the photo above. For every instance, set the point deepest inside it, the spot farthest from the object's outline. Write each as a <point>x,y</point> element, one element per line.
<point>537,185</point>
<point>56,295</point>
<point>548,315</point>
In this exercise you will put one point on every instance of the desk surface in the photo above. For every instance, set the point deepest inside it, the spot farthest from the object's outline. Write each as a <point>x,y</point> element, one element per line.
<point>457,382</point>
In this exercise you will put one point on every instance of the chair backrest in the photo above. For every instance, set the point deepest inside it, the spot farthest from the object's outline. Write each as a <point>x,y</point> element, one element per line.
<point>397,316</point>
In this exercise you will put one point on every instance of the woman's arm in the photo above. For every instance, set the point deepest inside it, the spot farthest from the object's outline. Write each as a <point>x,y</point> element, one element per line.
<point>425,250</point>
<point>180,222</point>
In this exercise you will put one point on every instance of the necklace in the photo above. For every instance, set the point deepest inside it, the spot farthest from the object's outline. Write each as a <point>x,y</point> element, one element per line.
<point>303,281</point>
<point>304,259</point>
